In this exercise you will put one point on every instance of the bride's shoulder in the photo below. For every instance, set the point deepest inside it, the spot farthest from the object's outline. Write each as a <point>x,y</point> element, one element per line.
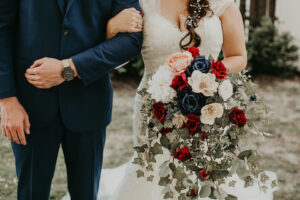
<point>219,6</point>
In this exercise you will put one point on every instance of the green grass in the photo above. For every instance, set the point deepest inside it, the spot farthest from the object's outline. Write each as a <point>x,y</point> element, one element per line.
<point>281,154</point>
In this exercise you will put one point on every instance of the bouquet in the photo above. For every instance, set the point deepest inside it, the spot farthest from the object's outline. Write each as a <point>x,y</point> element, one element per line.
<point>196,113</point>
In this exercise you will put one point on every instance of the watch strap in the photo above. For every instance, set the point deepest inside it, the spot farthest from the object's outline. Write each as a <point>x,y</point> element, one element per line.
<point>66,63</point>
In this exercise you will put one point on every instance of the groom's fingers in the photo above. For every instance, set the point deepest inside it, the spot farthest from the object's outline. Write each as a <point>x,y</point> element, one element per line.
<point>32,77</point>
<point>37,63</point>
<point>26,125</point>
<point>32,71</point>
<point>21,136</point>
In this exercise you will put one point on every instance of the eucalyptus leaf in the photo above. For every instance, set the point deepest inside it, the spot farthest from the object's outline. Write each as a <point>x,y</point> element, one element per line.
<point>205,191</point>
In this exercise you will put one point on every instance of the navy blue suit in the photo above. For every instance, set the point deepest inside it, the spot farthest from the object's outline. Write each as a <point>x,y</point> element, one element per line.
<point>33,29</point>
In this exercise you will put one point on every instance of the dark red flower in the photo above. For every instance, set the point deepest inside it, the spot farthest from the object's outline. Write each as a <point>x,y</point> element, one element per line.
<point>204,136</point>
<point>179,82</point>
<point>182,153</point>
<point>165,131</point>
<point>238,117</point>
<point>204,174</point>
<point>192,193</point>
<point>194,51</point>
<point>192,123</point>
<point>219,69</point>
<point>159,111</point>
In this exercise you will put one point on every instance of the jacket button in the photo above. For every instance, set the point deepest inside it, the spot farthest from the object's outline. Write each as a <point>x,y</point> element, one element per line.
<point>66,32</point>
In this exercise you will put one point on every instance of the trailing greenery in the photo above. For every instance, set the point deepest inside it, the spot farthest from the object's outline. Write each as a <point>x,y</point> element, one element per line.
<point>271,52</point>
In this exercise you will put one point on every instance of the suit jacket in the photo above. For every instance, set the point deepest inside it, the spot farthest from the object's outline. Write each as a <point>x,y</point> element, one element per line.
<point>33,29</point>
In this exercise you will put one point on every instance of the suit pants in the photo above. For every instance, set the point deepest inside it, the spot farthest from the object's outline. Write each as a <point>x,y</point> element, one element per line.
<point>35,162</point>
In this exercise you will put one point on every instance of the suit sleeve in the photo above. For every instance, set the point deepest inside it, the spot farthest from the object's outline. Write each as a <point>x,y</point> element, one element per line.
<point>93,63</point>
<point>8,25</point>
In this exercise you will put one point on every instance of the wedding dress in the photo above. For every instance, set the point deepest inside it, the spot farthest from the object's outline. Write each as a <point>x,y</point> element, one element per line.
<point>161,39</point>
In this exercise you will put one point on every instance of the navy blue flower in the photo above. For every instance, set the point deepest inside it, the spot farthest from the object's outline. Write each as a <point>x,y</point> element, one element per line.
<point>200,63</point>
<point>190,102</point>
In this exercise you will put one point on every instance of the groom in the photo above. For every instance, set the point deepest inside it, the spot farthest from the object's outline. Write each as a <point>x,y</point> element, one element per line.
<point>55,88</point>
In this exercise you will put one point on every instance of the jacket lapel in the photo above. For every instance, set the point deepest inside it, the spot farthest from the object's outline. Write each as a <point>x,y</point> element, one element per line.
<point>69,5</point>
<point>61,6</point>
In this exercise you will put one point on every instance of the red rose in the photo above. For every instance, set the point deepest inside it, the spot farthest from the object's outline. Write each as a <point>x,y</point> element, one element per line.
<point>192,193</point>
<point>194,51</point>
<point>238,117</point>
<point>204,136</point>
<point>192,123</point>
<point>219,69</point>
<point>165,131</point>
<point>182,153</point>
<point>179,82</point>
<point>159,111</point>
<point>204,174</point>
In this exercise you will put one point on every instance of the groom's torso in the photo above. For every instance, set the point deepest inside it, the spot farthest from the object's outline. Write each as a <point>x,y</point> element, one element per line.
<point>61,29</point>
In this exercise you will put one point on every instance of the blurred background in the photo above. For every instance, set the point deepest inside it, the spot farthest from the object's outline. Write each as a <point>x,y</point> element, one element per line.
<point>273,37</point>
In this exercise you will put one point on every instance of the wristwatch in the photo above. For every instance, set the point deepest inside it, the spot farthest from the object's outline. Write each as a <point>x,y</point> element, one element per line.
<point>67,72</point>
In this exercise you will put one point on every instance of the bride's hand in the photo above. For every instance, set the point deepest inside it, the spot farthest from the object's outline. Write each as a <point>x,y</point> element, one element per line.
<point>127,21</point>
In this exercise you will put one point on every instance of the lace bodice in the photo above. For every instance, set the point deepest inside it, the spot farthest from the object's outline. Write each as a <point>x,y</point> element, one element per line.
<point>162,37</point>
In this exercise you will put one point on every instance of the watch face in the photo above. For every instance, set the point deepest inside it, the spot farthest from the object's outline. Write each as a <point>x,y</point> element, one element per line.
<point>68,73</point>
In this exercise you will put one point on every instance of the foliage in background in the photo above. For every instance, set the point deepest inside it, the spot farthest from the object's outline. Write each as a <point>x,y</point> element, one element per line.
<point>134,69</point>
<point>271,52</point>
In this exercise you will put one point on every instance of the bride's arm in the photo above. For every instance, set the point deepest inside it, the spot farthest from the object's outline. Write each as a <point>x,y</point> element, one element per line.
<point>127,21</point>
<point>234,49</point>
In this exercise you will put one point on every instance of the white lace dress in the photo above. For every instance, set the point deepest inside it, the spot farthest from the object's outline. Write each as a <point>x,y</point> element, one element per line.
<point>161,38</point>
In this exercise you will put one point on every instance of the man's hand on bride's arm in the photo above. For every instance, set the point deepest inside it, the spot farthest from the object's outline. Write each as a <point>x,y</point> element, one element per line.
<point>14,120</point>
<point>127,21</point>
<point>47,72</point>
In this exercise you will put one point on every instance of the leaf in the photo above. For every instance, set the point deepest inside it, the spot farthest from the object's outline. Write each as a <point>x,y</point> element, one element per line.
<point>220,194</point>
<point>150,178</point>
<point>245,154</point>
<point>140,173</point>
<point>165,142</point>
<point>179,173</point>
<point>231,197</point>
<point>172,166</point>
<point>179,186</point>
<point>185,134</point>
<point>164,169</point>
<point>163,181</point>
<point>205,191</point>
<point>138,161</point>
<point>156,149</point>
<point>219,174</point>
<point>242,171</point>
<point>141,149</point>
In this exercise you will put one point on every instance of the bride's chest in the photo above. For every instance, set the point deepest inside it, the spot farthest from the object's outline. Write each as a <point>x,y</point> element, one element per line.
<point>160,33</point>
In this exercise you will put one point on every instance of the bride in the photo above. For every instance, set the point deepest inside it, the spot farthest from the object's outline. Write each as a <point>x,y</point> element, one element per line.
<point>166,31</point>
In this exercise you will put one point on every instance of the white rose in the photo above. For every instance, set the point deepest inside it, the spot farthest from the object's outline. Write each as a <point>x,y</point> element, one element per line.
<point>159,85</point>
<point>203,83</point>
<point>210,112</point>
<point>226,90</point>
<point>179,119</point>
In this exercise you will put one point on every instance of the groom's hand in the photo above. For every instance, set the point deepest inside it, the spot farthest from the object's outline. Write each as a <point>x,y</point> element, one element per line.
<point>45,73</point>
<point>14,120</point>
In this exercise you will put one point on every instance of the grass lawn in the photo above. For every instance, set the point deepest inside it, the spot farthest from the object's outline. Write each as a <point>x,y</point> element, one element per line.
<point>281,153</point>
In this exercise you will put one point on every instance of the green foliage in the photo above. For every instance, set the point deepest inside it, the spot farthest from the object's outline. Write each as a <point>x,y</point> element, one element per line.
<point>271,52</point>
<point>134,69</point>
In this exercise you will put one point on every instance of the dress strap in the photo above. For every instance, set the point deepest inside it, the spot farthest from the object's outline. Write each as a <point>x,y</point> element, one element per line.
<point>150,6</point>
<point>219,6</point>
